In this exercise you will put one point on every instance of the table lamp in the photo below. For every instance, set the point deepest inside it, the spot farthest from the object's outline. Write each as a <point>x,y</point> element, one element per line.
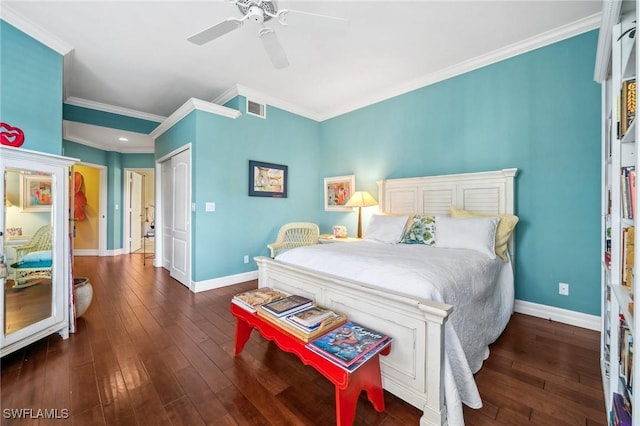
<point>361,199</point>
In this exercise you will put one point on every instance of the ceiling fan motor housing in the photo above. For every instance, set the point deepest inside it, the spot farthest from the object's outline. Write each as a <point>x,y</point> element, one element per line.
<point>256,9</point>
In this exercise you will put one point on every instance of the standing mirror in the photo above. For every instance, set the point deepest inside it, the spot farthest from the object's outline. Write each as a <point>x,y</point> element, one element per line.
<point>35,247</point>
<point>28,248</point>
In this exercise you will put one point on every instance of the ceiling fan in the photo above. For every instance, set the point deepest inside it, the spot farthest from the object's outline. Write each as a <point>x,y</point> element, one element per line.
<point>259,12</point>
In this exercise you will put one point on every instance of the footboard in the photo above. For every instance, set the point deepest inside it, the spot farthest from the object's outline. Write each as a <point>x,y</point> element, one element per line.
<point>414,369</point>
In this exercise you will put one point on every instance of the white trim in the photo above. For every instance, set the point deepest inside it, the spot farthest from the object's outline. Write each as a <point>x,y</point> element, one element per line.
<point>199,286</point>
<point>187,107</point>
<point>84,103</point>
<point>34,31</point>
<point>86,252</point>
<point>114,252</point>
<point>538,41</point>
<point>610,13</point>
<point>578,319</point>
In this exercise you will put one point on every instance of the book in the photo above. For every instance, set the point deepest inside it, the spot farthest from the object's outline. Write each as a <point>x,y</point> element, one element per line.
<point>249,300</point>
<point>620,413</point>
<point>348,343</point>
<point>287,305</point>
<point>632,191</point>
<point>628,258</point>
<point>628,105</point>
<point>296,330</point>
<point>310,316</point>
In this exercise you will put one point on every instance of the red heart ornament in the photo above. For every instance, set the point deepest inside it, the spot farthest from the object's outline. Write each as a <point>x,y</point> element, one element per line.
<point>11,136</point>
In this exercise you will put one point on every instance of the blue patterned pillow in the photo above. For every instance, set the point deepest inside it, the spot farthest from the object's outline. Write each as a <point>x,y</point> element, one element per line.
<point>421,231</point>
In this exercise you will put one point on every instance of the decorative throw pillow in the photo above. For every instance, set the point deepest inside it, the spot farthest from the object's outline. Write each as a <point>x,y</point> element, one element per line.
<point>503,233</point>
<point>421,231</point>
<point>475,233</point>
<point>386,229</point>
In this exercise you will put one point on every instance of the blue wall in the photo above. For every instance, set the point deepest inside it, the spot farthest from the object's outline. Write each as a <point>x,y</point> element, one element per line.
<point>539,112</point>
<point>221,150</point>
<point>31,89</point>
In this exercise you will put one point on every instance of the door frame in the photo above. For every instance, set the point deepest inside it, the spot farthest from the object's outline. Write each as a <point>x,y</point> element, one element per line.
<point>159,244</point>
<point>126,222</point>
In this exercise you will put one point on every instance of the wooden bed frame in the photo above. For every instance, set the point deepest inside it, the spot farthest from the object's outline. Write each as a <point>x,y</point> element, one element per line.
<point>414,369</point>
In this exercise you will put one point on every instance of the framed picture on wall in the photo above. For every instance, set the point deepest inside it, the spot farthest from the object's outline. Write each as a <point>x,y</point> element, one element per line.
<point>267,179</point>
<point>337,191</point>
<point>35,193</point>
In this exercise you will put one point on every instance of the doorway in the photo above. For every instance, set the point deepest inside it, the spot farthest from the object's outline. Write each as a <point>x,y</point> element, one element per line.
<point>139,211</point>
<point>89,220</point>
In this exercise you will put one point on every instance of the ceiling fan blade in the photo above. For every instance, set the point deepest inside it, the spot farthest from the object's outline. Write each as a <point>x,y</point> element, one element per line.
<point>274,48</point>
<point>283,15</point>
<point>218,30</point>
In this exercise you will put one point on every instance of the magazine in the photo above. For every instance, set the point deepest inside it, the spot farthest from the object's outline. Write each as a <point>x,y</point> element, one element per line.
<point>287,305</point>
<point>349,343</point>
<point>303,333</point>
<point>252,298</point>
<point>311,316</point>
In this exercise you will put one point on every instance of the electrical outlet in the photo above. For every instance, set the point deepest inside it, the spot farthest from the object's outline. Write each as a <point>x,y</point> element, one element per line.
<point>563,289</point>
<point>246,258</point>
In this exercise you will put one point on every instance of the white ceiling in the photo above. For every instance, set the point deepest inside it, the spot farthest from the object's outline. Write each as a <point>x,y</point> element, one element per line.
<point>134,56</point>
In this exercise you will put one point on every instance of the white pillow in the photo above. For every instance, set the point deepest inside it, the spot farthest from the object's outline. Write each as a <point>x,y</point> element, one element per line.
<point>478,233</point>
<point>386,229</point>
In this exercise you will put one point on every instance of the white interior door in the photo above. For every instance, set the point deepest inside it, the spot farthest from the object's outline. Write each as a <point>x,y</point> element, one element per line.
<point>135,212</point>
<point>176,216</point>
<point>181,215</point>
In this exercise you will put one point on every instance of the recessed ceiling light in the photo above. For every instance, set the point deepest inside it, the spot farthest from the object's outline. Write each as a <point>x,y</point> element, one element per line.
<point>123,139</point>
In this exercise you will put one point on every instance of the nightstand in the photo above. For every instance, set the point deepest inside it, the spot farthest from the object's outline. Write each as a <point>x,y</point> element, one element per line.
<point>329,238</point>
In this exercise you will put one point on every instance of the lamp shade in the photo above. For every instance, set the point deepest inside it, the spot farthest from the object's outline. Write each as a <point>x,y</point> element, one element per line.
<point>361,199</point>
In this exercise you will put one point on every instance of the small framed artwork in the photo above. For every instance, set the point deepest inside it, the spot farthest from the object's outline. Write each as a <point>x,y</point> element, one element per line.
<point>337,191</point>
<point>267,179</point>
<point>36,193</point>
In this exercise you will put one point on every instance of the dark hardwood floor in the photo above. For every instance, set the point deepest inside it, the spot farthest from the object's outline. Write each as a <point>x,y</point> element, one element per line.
<point>148,351</point>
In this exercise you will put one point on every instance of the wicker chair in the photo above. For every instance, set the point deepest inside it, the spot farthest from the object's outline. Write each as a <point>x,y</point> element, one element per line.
<point>26,269</point>
<point>294,235</point>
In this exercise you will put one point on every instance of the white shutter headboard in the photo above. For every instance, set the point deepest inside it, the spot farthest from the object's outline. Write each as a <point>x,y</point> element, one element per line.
<point>485,192</point>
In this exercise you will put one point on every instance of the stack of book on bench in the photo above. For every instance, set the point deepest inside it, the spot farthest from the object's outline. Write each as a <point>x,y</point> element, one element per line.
<point>299,316</point>
<point>249,300</point>
<point>295,314</point>
<point>350,345</point>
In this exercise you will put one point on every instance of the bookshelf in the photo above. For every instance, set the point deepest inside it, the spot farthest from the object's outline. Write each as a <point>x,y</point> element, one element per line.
<point>616,66</point>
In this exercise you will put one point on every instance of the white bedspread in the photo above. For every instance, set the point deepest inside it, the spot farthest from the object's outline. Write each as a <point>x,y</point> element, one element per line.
<point>480,290</point>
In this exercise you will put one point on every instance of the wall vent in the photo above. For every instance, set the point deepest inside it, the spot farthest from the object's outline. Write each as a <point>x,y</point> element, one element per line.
<point>256,108</point>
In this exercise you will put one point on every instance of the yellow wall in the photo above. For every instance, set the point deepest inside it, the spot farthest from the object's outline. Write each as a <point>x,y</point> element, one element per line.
<point>86,237</point>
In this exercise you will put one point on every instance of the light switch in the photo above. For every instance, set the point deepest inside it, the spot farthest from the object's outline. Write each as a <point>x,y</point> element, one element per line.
<point>193,207</point>
<point>210,207</point>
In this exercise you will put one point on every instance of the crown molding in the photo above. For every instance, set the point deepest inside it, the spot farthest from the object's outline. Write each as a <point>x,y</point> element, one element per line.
<point>558,34</point>
<point>84,103</point>
<point>34,31</point>
<point>254,95</point>
<point>191,105</point>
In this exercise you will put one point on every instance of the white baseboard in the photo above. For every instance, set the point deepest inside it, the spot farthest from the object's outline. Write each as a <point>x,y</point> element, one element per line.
<point>592,322</point>
<point>86,252</point>
<point>199,286</point>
